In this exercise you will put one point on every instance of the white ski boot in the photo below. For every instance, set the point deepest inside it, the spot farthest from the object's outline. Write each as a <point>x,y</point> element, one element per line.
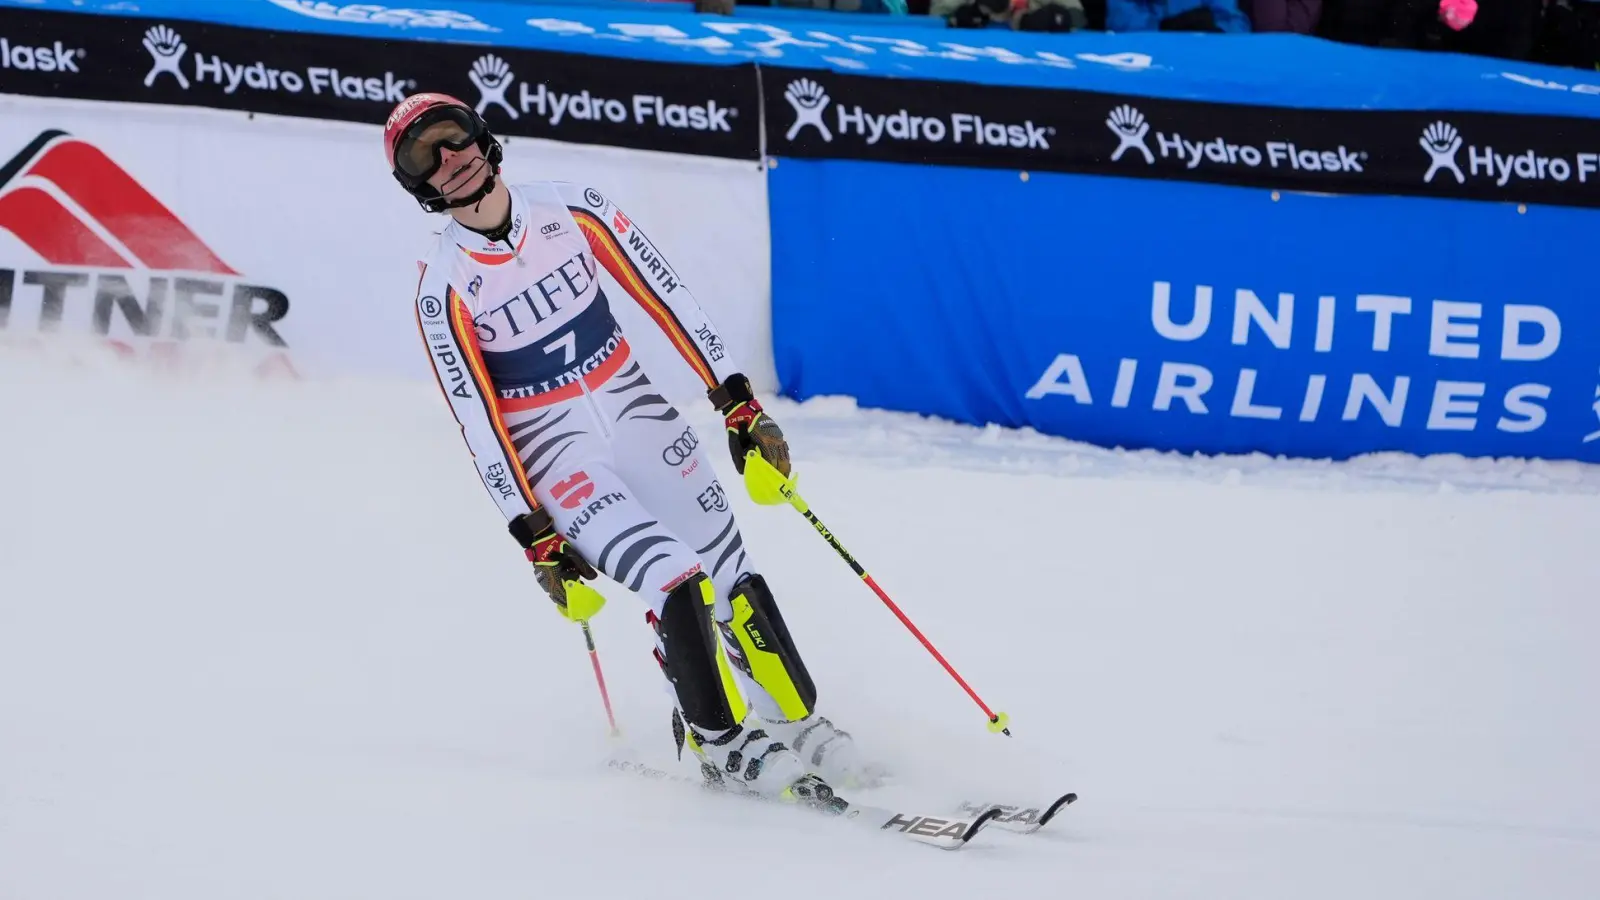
<point>746,757</point>
<point>826,750</point>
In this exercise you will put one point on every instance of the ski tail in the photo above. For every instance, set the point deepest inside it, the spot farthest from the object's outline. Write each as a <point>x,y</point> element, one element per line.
<point>938,831</point>
<point>1019,818</point>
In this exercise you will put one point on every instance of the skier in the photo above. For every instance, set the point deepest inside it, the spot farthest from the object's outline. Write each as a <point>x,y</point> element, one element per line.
<point>593,469</point>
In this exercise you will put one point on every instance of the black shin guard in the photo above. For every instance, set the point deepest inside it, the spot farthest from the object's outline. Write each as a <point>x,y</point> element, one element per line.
<point>693,661</point>
<point>769,654</point>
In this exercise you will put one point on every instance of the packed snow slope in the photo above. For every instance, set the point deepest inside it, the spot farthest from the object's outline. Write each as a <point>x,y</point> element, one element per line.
<point>272,641</point>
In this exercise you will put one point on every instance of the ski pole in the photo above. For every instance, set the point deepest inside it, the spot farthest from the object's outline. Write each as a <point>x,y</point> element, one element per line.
<point>768,487</point>
<point>599,677</point>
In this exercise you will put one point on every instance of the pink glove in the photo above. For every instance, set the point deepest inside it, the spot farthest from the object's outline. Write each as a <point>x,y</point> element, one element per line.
<point>1458,14</point>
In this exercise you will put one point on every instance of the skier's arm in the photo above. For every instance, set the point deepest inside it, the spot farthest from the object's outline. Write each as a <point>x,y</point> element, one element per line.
<point>447,331</point>
<point>445,323</point>
<point>636,264</point>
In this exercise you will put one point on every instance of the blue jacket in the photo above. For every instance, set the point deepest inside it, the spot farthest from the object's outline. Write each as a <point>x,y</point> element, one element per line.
<point>1146,15</point>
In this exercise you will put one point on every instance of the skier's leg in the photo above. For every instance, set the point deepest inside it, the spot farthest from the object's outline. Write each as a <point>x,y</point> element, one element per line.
<point>765,652</point>
<point>569,462</point>
<point>767,655</point>
<point>719,730</point>
<point>663,458</point>
<point>659,454</point>
<point>568,459</point>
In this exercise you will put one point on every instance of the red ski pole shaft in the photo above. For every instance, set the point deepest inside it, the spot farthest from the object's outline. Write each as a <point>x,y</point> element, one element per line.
<point>916,632</point>
<point>998,722</point>
<point>599,676</point>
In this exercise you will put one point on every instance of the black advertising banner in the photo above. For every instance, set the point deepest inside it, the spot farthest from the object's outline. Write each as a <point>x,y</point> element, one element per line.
<point>703,110</point>
<point>1479,156</point>
<point>717,111</point>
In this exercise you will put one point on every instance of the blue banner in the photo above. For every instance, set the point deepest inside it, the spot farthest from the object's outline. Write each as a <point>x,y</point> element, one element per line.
<point>1267,69</point>
<point>1188,317</point>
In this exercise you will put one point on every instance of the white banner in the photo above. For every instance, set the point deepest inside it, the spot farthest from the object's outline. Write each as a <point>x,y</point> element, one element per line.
<point>176,231</point>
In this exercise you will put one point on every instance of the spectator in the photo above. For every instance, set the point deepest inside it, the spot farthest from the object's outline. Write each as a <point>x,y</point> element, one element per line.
<point>1175,15</point>
<point>1022,15</point>
<point>1048,15</point>
<point>1297,16</point>
<point>1503,28</point>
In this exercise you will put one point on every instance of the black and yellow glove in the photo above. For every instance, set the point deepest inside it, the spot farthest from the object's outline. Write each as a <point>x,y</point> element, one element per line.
<point>759,450</point>
<point>558,566</point>
<point>749,428</point>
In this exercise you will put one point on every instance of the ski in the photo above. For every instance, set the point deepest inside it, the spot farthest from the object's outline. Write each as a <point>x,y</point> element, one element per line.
<point>944,832</point>
<point>1018,818</point>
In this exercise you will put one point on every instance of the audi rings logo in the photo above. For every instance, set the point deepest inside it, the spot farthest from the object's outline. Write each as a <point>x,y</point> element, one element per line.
<point>681,449</point>
<point>431,307</point>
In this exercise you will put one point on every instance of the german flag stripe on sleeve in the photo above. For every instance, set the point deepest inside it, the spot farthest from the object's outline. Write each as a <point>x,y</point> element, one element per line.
<point>611,254</point>
<point>467,339</point>
<point>422,270</point>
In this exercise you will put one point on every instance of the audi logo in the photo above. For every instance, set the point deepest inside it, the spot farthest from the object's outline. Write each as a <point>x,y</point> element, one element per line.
<point>552,228</point>
<point>681,449</point>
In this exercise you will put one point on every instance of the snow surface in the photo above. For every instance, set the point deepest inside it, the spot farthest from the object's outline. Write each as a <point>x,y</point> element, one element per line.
<point>271,641</point>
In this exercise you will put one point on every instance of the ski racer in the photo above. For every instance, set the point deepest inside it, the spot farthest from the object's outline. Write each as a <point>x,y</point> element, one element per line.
<point>593,469</point>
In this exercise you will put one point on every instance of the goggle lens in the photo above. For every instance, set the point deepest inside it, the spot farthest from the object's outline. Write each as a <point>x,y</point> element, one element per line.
<point>418,153</point>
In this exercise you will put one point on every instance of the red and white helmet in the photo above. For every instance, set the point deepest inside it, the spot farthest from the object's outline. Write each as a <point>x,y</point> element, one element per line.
<point>413,161</point>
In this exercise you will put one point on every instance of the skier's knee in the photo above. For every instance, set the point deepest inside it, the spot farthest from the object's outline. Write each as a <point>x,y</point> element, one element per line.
<point>692,661</point>
<point>766,649</point>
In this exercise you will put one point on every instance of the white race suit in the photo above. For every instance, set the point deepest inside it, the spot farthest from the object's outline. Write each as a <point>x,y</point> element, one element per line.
<point>558,408</point>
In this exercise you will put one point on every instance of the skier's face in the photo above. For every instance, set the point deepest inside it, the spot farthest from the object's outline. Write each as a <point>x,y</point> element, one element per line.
<point>460,172</point>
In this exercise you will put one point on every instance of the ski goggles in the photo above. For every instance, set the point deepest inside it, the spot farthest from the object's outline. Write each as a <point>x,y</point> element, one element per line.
<point>418,153</point>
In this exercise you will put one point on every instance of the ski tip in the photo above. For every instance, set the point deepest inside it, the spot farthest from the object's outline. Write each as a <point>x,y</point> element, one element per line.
<point>977,825</point>
<point>1062,801</point>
